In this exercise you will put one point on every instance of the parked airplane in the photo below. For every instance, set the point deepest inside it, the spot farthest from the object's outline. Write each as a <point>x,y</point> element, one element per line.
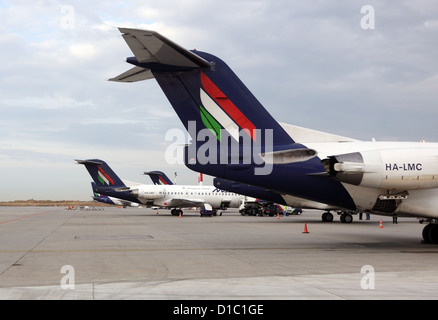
<point>157,177</point>
<point>244,143</point>
<point>254,194</point>
<point>170,196</point>
<point>111,200</point>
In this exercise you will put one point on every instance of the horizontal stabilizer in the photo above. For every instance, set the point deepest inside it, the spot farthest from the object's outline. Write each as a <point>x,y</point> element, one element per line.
<point>133,75</point>
<point>91,162</point>
<point>154,52</point>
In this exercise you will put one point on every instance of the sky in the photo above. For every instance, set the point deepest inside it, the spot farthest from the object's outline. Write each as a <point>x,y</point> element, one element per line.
<point>326,65</point>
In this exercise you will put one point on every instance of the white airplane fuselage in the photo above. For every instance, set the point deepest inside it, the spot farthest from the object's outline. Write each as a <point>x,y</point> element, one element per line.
<point>179,196</point>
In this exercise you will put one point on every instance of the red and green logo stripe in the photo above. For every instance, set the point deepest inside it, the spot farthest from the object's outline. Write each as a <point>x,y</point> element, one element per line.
<point>221,111</point>
<point>161,180</point>
<point>210,122</point>
<point>103,177</point>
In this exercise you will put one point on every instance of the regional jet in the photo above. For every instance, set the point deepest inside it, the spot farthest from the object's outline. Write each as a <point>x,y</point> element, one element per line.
<point>169,196</point>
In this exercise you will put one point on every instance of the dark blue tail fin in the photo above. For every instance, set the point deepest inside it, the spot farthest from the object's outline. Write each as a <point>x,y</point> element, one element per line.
<point>159,177</point>
<point>227,124</point>
<point>102,174</point>
<point>106,182</point>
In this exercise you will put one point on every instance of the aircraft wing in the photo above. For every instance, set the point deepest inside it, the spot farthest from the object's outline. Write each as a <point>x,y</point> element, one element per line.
<point>178,202</point>
<point>151,48</point>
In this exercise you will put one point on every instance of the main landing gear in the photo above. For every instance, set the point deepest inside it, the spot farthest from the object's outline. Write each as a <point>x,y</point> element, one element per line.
<point>346,217</point>
<point>430,232</point>
<point>176,212</point>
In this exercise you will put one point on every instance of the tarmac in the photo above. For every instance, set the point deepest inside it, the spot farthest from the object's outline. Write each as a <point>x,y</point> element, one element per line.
<point>51,253</point>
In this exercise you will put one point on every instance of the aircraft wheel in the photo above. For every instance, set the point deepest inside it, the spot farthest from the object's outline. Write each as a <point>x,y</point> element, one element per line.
<point>425,233</point>
<point>433,234</point>
<point>327,217</point>
<point>430,233</point>
<point>346,217</point>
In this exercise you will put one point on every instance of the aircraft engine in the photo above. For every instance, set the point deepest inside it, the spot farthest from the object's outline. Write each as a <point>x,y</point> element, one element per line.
<point>392,169</point>
<point>148,192</point>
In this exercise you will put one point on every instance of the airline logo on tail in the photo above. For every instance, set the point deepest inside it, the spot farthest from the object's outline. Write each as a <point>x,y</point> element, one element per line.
<point>220,112</point>
<point>161,181</point>
<point>103,177</point>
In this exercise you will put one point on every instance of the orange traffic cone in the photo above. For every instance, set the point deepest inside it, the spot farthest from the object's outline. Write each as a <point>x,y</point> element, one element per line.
<point>381,224</point>
<point>305,228</point>
<point>278,216</point>
<point>180,214</point>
